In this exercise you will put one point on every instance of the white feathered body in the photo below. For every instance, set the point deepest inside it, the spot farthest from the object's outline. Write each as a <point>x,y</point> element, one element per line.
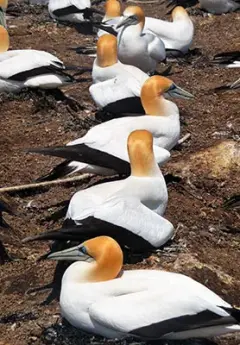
<point>116,82</point>
<point>74,17</point>
<point>138,299</point>
<point>143,50</point>
<point>22,68</point>
<point>177,35</point>
<point>135,204</point>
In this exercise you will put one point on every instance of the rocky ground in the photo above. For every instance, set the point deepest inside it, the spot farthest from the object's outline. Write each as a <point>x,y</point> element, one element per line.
<point>206,245</point>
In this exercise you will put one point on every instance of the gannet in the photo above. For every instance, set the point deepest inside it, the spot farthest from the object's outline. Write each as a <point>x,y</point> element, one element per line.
<point>74,11</point>
<point>177,35</point>
<point>116,87</point>
<point>113,12</point>
<point>143,50</point>
<point>29,68</point>
<point>105,145</point>
<point>130,210</point>
<point>97,296</point>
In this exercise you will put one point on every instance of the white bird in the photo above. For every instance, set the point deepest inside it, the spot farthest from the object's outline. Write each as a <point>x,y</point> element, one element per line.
<point>116,87</point>
<point>135,47</point>
<point>103,150</point>
<point>74,11</point>
<point>97,296</point>
<point>129,210</point>
<point>29,68</point>
<point>106,65</point>
<point>177,35</point>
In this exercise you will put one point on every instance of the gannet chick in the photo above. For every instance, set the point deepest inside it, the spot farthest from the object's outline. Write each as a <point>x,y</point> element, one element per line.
<point>143,50</point>
<point>103,149</point>
<point>130,210</point>
<point>99,297</point>
<point>177,35</point>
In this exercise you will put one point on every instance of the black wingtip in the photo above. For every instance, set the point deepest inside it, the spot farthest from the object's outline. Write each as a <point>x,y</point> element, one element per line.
<point>226,58</point>
<point>45,236</point>
<point>234,312</point>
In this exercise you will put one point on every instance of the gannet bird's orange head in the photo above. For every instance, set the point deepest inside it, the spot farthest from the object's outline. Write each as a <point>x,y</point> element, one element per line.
<point>113,9</point>
<point>152,93</point>
<point>103,255</point>
<point>140,151</point>
<point>133,15</point>
<point>107,50</point>
<point>4,4</point>
<point>179,13</point>
<point>4,39</point>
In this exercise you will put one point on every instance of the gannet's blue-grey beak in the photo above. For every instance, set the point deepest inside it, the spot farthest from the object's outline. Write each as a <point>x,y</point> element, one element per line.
<point>127,21</point>
<point>78,253</point>
<point>177,92</point>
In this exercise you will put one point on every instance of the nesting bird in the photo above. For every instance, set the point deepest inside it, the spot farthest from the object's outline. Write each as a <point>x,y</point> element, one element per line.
<point>103,150</point>
<point>129,210</point>
<point>143,50</point>
<point>177,35</point>
<point>29,68</point>
<point>97,296</point>
<point>116,87</point>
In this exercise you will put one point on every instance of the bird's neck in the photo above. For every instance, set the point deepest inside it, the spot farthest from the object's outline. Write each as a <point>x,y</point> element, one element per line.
<point>159,106</point>
<point>131,31</point>
<point>91,272</point>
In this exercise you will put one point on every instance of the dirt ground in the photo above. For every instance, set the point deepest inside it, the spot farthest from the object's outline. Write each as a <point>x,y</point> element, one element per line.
<point>206,245</point>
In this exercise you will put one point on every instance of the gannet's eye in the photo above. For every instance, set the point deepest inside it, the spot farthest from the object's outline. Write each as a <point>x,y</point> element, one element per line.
<point>134,17</point>
<point>172,87</point>
<point>83,249</point>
